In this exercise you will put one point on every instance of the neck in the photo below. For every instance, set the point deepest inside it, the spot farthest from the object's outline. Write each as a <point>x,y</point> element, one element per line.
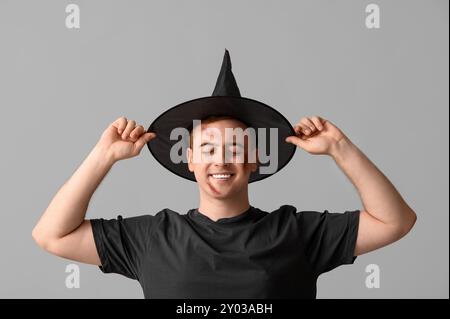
<point>216,208</point>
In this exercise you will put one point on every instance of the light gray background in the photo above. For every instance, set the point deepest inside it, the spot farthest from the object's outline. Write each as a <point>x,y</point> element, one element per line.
<point>387,89</point>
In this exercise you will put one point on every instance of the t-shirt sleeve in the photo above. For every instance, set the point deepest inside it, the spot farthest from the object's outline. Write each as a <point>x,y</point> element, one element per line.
<point>122,242</point>
<point>329,238</point>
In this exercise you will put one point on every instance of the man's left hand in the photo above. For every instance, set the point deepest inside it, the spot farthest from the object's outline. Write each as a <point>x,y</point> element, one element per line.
<point>316,135</point>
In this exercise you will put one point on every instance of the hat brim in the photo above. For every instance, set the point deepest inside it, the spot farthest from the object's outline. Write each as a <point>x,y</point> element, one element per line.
<point>253,113</point>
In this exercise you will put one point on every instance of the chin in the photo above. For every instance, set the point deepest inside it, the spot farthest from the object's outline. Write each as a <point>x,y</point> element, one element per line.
<point>223,196</point>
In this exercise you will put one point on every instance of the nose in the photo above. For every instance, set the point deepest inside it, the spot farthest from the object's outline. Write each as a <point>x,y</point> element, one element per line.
<point>220,165</point>
<point>219,158</point>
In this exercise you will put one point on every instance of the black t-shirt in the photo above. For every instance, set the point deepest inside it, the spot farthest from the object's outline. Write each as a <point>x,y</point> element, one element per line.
<point>253,255</point>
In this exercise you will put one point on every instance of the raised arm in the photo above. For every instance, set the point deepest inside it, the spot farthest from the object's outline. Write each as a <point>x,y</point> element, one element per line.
<point>386,217</point>
<point>63,230</point>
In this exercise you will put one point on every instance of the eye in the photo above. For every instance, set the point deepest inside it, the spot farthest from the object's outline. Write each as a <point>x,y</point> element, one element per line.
<point>207,150</point>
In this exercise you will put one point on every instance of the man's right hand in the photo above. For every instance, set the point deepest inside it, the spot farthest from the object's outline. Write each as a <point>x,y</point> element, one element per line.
<point>124,139</point>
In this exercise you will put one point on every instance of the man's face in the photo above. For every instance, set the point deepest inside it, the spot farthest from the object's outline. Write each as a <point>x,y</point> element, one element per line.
<point>210,159</point>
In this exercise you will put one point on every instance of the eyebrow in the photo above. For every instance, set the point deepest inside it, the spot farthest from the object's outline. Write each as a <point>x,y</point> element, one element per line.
<point>213,144</point>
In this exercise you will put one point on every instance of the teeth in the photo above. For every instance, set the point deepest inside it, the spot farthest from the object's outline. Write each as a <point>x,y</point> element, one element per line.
<point>221,176</point>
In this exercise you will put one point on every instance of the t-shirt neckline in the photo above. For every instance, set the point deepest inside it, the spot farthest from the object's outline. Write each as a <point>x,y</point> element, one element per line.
<point>195,213</point>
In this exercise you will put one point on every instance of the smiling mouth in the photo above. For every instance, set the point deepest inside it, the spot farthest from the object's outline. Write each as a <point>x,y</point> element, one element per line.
<point>223,177</point>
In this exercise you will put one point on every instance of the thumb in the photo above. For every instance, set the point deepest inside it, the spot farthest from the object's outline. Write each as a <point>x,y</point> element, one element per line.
<point>144,139</point>
<point>296,141</point>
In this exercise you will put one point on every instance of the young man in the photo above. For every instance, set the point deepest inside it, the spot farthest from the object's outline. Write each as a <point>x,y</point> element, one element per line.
<point>225,248</point>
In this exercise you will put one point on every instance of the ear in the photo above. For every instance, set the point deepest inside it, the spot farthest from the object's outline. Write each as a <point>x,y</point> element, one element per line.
<point>189,158</point>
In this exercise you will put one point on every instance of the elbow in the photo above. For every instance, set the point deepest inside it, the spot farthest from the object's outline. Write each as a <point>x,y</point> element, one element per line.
<point>408,223</point>
<point>41,240</point>
<point>38,238</point>
<point>47,243</point>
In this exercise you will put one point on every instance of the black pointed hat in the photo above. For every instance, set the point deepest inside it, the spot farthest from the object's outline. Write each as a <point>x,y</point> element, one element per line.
<point>226,99</point>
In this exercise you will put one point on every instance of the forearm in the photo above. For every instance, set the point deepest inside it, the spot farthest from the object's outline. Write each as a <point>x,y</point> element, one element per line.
<point>379,197</point>
<point>67,209</point>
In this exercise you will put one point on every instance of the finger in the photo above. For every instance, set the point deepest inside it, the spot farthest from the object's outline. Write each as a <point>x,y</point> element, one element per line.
<point>120,124</point>
<point>306,121</point>
<point>298,129</point>
<point>137,131</point>
<point>304,129</point>
<point>130,126</point>
<point>317,123</point>
<point>322,120</point>
<point>144,139</point>
<point>296,141</point>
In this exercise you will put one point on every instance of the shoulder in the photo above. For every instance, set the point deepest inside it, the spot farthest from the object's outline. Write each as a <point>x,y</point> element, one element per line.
<point>163,215</point>
<point>280,209</point>
<point>169,218</point>
<point>283,213</point>
<point>285,209</point>
<point>290,212</point>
